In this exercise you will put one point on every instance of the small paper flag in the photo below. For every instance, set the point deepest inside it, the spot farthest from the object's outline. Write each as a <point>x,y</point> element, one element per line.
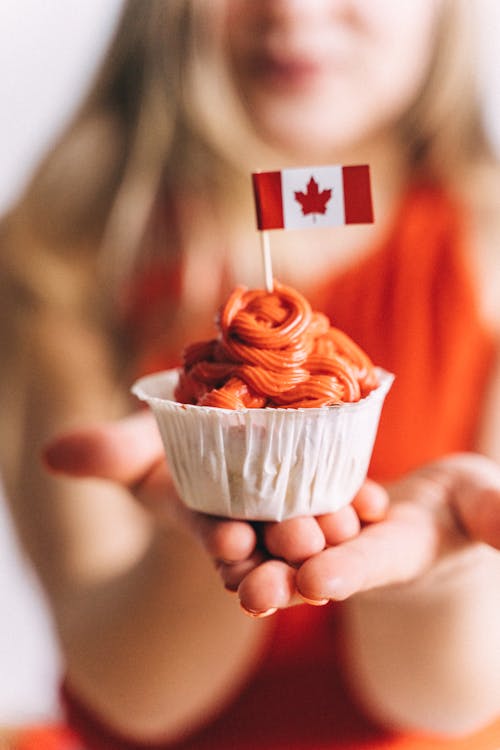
<point>313,197</point>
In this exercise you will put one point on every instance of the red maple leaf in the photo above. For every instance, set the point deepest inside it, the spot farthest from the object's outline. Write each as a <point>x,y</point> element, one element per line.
<point>313,201</point>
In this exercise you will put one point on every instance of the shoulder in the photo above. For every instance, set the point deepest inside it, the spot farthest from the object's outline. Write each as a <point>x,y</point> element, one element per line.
<point>479,192</point>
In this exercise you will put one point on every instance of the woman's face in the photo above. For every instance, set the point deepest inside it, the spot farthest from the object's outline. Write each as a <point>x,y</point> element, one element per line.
<point>325,76</point>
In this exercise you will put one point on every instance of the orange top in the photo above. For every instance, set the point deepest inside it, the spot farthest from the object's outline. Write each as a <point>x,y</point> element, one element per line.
<point>412,307</point>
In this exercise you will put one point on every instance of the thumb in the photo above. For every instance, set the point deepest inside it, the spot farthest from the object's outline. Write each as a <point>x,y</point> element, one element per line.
<point>123,451</point>
<point>475,496</point>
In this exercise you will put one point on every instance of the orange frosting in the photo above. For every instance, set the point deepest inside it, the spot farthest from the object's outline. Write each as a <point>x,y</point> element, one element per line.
<point>273,350</point>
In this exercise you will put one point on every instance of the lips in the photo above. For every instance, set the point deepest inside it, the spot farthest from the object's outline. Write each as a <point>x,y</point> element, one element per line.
<point>299,67</point>
<point>288,70</point>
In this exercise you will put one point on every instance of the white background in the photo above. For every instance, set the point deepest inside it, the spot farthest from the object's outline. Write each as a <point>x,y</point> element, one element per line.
<point>48,51</point>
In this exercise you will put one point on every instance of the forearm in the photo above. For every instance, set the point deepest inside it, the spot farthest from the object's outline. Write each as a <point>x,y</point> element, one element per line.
<point>426,655</point>
<point>151,640</point>
<point>73,530</point>
<point>162,647</point>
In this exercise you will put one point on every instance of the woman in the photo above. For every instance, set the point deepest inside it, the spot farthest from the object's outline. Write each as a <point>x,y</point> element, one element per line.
<point>129,236</point>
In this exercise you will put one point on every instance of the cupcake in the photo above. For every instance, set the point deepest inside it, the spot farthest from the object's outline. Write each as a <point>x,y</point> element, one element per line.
<point>276,417</point>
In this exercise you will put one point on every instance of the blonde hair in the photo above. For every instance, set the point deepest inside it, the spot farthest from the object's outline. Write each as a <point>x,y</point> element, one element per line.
<point>149,128</point>
<point>443,130</point>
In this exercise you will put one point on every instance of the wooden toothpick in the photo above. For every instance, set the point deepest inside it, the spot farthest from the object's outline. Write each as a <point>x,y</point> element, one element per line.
<point>266,260</point>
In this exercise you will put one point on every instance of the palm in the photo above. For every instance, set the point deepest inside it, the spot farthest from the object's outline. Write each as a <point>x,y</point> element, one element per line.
<point>273,565</point>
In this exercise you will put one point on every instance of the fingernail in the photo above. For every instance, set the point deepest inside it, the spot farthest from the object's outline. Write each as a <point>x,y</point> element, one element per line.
<point>61,458</point>
<point>256,614</point>
<point>315,602</point>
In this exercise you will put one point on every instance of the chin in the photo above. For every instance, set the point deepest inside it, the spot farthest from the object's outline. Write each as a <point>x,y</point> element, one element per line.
<point>318,137</point>
<point>308,144</point>
<point>317,134</point>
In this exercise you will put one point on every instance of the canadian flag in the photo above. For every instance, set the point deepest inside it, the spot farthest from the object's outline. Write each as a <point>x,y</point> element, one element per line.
<point>313,197</point>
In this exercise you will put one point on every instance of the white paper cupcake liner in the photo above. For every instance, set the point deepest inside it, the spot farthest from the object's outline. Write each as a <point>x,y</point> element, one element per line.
<point>264,464</point>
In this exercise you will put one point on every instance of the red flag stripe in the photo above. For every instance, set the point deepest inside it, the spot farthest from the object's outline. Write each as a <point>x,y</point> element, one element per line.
<point>268,200</point>
<point>357,194</point>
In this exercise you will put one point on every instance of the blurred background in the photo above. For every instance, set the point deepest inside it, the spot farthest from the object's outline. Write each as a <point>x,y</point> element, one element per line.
<point>49,50</point>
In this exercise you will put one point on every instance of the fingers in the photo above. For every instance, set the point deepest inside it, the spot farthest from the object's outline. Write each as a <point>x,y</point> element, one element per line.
<point>472,486</point>
<point>233,574</point>
<point>225,540</point>
<point>371,502</point>
<point>295,539</point>
<point>340,526</point>
<point>396,550</point>
<point>267,587</point>
<point>476,497</point>
<point>123,451</point>
<point>479,512</point>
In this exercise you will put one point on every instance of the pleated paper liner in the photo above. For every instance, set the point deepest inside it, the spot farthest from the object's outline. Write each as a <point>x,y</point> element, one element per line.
<point>264,464</point>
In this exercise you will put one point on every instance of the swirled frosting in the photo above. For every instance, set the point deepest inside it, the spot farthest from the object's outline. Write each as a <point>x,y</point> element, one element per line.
<point>273,350</point>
